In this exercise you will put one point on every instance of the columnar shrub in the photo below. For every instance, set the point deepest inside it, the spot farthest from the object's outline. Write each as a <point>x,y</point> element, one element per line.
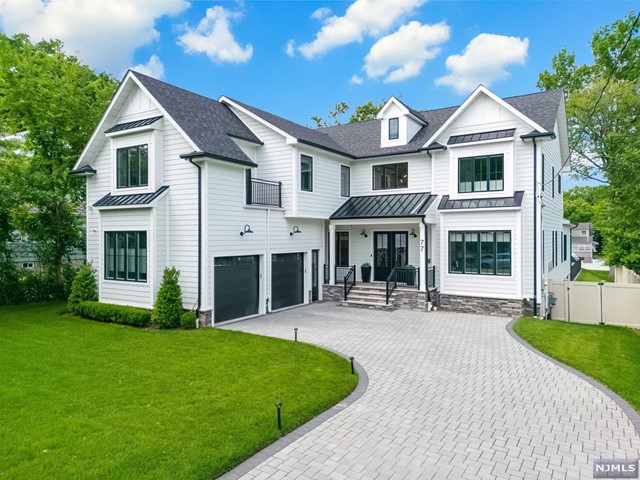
<point>168,307</point>
<point>84,287</point>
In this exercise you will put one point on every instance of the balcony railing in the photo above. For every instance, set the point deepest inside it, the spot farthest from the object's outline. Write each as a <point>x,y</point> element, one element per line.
<point>263,192</point>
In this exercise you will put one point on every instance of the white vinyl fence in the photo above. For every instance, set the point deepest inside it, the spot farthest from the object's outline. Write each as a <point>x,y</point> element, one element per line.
<point>592,302</point>
<point>624,275</point>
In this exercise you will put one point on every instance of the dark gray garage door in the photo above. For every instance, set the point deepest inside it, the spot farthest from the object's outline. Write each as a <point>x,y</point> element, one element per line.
<point>287,280</point>
<point>236,287</point>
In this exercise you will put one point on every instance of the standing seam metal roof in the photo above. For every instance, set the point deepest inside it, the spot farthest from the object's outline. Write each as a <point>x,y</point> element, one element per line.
<point>380,206</point>
<point>134,199</point>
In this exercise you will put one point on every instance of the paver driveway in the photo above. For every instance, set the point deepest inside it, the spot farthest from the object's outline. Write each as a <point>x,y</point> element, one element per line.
<point>450,396</point>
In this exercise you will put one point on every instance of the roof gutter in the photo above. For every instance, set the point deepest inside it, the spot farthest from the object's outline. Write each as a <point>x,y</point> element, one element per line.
<point>534,135</point>
<point>215,156</point>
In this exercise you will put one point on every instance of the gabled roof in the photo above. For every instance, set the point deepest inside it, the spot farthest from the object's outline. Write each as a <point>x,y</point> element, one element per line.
<point>381,206</point>
<point>302,134</point>
<point>407,110</point>
<point>207,122</point>
<point>130,200</point>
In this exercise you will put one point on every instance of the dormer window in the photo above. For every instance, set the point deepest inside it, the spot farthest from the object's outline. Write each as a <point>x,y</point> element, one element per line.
<point>394,128</point>
<point>133,166</point>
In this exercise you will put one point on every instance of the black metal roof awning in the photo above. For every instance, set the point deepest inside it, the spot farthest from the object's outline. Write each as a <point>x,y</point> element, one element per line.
<point>131,200</point>
<point>129,125</point>
<point>385,206</point>
<point>481,137</point>
<point>471,203</point>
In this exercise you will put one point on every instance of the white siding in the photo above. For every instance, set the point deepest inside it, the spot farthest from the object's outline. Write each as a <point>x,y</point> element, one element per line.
<point>492,286</point>
<point>419,174</point>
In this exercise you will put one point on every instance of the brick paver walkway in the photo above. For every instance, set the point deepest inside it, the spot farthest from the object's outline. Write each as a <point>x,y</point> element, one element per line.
<point>450,396</point>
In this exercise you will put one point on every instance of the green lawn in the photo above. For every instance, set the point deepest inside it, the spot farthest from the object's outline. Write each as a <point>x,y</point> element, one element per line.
<point>609,354</point>
<point>83,399</point>
<point>593,276</point>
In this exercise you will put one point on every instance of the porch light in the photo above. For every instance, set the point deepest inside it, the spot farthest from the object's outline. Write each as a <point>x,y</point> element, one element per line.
<point>413,233</point>
<point>295,230</point>
<point>363,233</point>
<point>247,229</point>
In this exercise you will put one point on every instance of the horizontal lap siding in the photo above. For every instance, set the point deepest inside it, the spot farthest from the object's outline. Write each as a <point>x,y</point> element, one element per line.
<point>419,175</point>
<point>481,285</point>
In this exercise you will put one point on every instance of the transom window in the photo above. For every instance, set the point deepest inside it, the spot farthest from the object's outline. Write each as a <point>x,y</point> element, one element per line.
<point>394,128</point>
<point>345,181</point>
<point>481,174</point>
<point>125,256</point>
<point>480,252</point>
<point>306,173</point>
<point>395,175</point>
<point>133,166</point>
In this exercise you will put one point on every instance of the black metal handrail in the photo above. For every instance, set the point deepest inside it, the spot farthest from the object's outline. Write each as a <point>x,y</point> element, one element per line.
<point>407,277</point>
<point>431,276</point>
<point>263,192</point>
<point>349,281</point>
<point>341,271</point>
<point>391,283</point>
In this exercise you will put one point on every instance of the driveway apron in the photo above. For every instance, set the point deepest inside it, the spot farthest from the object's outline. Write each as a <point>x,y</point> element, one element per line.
<point>450,396</point>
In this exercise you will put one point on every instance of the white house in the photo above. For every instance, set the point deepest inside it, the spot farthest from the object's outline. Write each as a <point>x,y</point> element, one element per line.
<point>260,213</point>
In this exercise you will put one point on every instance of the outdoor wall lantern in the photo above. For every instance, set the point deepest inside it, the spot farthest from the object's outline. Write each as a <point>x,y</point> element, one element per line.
<point>413,233</point>
<point>295,230</point>
<point>247,229</point>
<point>363,233</point>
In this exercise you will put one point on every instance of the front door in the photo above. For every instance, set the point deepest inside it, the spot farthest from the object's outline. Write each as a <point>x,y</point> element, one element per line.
<point>390,250</point>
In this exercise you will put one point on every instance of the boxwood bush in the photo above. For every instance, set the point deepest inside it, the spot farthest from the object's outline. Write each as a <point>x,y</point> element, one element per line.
<point>105,312</point>
<point>188,320</point>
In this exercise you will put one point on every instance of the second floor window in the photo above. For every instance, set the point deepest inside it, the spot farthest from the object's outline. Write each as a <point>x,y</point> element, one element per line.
<point>133,166</point>
<point>345,181</point>
<point>306,173</point>
<point>481,174</point>
<point>394,128</point>
<point>394,175</point>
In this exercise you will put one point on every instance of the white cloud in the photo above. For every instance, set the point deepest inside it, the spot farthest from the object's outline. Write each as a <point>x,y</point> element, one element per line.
<point>213,37</point>
<point>321,13</point>
<point>402,54</point>
<point>356,80</point>
<point>290,48</point>
<point>363,17</point>
<point>154,67</point>
<point>483,61</point>
<point>104,34</point>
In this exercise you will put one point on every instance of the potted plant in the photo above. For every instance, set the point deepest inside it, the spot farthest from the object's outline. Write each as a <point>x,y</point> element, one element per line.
<point>365,270</point>
<point>410,275</point>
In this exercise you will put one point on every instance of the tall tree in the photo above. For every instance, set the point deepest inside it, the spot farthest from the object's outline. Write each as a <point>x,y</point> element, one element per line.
<point>603,110</point>
<point>366,111</point>
<point>58,101</point>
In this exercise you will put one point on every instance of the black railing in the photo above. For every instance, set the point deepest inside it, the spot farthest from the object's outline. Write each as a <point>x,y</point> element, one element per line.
<point>326,274</point>
<point>576,266</point>
<point>407,277</point>
<point>431,277</point>
<point>263,192</point>
<point>342,271</point>
<point>349,281</point>
<point>391,283</point>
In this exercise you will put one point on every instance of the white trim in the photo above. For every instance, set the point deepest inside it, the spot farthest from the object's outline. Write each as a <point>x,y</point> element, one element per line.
<point>482,89</point>
<point>402,107</point>
<point>472,210</point>
<point>228,101</point>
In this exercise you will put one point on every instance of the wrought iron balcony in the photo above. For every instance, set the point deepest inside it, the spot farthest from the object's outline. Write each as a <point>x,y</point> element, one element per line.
<point>263,192</point>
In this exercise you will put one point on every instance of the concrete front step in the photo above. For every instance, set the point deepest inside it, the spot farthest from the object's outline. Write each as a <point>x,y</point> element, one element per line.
<point>363,304</point>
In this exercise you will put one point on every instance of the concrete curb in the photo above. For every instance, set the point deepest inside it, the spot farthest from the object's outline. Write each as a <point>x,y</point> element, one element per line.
<point>270,450</point>
<point>627,409</point>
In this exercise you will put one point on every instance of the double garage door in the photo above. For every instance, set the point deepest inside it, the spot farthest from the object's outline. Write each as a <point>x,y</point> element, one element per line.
<point>237,284</point>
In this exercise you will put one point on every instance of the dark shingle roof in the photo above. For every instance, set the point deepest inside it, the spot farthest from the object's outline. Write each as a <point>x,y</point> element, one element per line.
<point>85,169</point>
<point>134,199</point>
<point>136,124</point>
<point>541,107</point>
<point>208,123</point>
<point>377,206</point>
<point>469,203</point>
<point>303,134</point>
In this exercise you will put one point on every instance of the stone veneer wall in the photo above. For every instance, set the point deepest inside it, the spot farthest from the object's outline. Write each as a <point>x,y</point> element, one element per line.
<point>486,306</point>
<point>205,319</point>
<point>332,293</point>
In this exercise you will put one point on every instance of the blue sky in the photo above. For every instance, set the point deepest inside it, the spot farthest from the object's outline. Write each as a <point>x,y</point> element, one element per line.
<point>429,53</point>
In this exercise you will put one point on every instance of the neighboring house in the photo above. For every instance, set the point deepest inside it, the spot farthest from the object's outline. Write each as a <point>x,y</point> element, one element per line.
<point>24,256</point>
<point>249,206</point>
<point>582,243</point>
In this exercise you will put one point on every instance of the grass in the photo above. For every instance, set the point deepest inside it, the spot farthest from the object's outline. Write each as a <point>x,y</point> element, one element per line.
<point>83,399</point>
<point>586,275</point>
<point>606,353</point>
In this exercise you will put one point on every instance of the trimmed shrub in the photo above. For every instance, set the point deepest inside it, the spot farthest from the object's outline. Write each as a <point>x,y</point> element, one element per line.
<point>188,320</point>
<point>84,287</point>
<point>168,307</point>
<point>105,312</point>
<point>10,291</point>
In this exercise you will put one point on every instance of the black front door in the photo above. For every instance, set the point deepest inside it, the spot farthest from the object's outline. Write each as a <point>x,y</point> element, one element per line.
<point>390,250</point>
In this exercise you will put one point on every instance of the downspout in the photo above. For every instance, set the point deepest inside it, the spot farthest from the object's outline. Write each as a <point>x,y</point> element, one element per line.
<point>199,234</point>
<point>535,228</point>
<point>426,259</point>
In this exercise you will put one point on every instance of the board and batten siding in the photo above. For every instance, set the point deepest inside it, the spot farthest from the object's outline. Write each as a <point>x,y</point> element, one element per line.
<point>490,286</point>
<point>419,174</point>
